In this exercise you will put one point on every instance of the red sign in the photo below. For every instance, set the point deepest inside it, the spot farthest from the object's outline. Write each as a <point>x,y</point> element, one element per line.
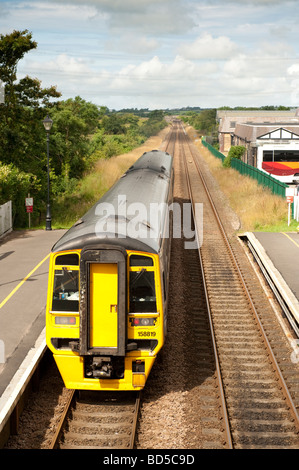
<point>29,208</point>
<point>290,199</point>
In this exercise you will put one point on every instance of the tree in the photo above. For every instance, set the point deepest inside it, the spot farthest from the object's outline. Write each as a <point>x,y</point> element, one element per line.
<point>13,47</point>
<point>113,125</point>
<point>22,136</point>
<point>73,122</point>
<point>154,124</point>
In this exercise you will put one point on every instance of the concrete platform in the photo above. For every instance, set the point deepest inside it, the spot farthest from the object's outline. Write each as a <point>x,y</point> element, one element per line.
<point>279,253</point>
<point>24,264</point>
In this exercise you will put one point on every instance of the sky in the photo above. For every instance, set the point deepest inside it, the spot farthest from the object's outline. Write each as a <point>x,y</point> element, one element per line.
<point>162,54</point>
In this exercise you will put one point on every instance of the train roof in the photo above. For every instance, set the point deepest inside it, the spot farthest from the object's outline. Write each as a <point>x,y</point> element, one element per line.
<point>155,160</point>
<point>127,215</point>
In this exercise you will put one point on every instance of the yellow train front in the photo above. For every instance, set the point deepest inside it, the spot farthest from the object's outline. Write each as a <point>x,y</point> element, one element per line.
<point>108,283</point>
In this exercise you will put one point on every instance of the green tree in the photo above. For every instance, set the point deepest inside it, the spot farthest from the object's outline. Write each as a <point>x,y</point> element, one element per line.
<point>74,120</point>
<point>22,136</point>
<point>154,124</point>
<point>113,124</point>
<point>204,122</point>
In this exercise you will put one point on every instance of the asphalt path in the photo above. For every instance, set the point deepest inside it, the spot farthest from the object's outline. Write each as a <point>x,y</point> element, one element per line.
<point>24,265</point>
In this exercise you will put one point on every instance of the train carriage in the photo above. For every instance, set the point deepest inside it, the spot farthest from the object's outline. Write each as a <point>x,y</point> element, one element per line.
<point>107,293</point>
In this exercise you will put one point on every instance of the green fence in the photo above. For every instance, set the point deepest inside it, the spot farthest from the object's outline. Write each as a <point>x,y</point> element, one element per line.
<point>214,151</point>
<point>277,187</point>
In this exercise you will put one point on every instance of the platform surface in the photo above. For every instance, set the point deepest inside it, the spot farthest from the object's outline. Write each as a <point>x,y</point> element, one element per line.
<point>24,265</point>
<point>283,251</point>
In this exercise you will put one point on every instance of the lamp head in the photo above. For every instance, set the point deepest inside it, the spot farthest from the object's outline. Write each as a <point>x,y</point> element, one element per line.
<point>47,122</point>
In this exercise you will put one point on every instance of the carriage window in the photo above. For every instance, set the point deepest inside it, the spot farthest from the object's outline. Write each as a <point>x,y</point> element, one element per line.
<point>280,156</point>
<point>66,290</point>
<point>142,291</point>
<point>267,156</point>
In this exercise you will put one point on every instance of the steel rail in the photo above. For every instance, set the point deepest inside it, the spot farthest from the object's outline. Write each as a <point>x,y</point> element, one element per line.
<point>135,420</point>
<point>271,353</point>
<point>59,430</point>
<point>70,400</point>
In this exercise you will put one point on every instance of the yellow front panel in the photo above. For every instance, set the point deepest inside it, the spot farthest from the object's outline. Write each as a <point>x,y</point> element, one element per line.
<point>103,305</point>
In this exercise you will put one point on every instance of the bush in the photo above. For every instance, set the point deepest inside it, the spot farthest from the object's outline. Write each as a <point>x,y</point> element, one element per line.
<point>15,186</point>
<point>236,151</point>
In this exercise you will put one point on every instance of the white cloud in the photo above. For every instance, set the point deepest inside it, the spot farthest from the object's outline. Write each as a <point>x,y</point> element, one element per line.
<point>293,70</point>
<point>209,47</point>
<point>161,53</point>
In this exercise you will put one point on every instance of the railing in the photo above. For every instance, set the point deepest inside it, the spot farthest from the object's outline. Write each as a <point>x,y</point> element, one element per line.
<point>212,149</point>
<point>5,218</point>
<point>277,187</point>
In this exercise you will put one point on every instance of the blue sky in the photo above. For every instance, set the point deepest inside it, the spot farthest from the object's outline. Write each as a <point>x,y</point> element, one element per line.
<point>162,53</point>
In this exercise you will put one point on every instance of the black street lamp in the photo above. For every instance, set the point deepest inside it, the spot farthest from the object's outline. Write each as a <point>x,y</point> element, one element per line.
<point>47,122</point>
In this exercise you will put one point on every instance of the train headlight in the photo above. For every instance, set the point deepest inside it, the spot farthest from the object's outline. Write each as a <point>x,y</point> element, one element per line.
<point>65,320</point>
<point>142,321</point>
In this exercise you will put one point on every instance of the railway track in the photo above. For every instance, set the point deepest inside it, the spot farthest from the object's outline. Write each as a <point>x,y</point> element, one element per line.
<point>98,420</point>
<point>261,411</point>
<point>240,393</point>
<point>207,417</point>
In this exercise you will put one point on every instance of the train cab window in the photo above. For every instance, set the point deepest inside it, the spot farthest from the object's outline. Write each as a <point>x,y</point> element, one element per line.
<point>139,260</point>
<point>66,290</point>
<point>70,259</point>
<point>142,291</point>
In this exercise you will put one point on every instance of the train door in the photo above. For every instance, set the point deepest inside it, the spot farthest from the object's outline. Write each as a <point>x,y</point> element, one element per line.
<point>103,293</point>
<point>103,301</point>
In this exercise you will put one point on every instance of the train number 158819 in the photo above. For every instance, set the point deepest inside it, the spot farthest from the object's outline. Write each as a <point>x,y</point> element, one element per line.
<point>148,334</point>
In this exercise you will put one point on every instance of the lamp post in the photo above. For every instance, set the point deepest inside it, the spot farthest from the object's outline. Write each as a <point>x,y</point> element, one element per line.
<point>47,122</point>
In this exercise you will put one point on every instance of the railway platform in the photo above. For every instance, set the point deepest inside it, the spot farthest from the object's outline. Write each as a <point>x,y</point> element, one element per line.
<point>24,263</point>
<point>278,254</point>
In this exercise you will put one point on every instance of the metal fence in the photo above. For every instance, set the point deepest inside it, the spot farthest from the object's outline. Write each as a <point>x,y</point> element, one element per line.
<point>5,218</point>
<point>277,187</point>
<point>212,149</point>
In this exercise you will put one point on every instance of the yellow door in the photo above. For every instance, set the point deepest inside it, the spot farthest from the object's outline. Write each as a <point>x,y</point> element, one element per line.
<point>103,305</point>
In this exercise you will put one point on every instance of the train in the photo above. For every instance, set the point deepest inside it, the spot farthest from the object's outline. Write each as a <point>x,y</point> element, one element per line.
<point>282,165</point>
<point>106,313</point>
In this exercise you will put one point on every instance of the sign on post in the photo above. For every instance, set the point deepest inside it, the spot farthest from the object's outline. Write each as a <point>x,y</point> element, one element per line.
<point>29,206</point>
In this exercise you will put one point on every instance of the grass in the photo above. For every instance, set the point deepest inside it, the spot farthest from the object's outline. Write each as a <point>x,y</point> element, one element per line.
<point>257,208</point>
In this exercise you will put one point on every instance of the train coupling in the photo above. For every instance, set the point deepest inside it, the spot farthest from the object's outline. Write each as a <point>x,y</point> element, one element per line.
<point>101,367</point>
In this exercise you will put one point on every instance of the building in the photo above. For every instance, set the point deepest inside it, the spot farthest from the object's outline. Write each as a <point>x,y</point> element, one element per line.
<point>271,139</point>
<point>230,118</point>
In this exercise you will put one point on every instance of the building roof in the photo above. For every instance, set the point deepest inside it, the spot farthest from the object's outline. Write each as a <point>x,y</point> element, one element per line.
<point>230,118</point>
<point>251,132</point>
